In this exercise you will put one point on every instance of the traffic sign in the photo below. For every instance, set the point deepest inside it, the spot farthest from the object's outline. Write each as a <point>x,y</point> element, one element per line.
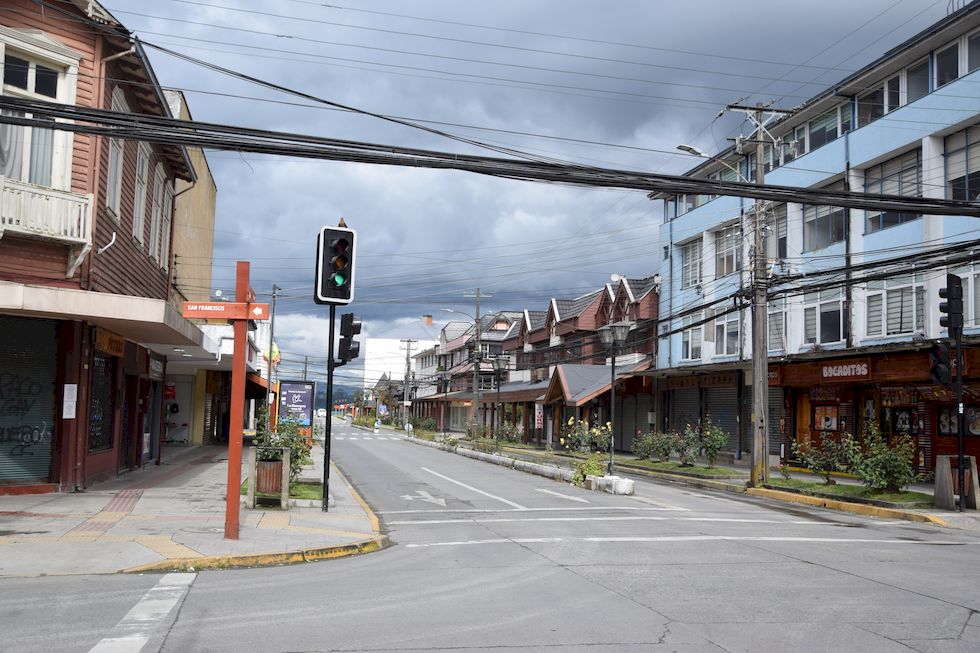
<point>225,310</point>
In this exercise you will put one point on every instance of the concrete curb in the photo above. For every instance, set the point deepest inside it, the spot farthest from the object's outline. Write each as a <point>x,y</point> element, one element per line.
<point>846,506</point>
<point>312,554</point>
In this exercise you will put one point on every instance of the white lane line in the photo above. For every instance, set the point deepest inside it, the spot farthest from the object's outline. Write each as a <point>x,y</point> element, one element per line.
<point>685,538</point>
<point>473,489</point>
<point>368,437</point>
<point>503,520</point>
<point>552,509</point>
<point>132,633</point>
<point>706,496</point>
<point>654,502</point>
<point>338,437</point>
<point>563,496</point>
<point>351,438</point>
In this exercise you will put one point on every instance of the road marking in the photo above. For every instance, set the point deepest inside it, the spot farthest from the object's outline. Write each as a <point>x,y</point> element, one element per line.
<point>473,489</point>
<point>425,496</point>
<point>686,538</point>
<point>559,494</point>
<point>653,502</point>
<point>551,509</point>
<point>132,633</point>
<point>367,437</point>
<point>351,438</point>
<point>706,496</point>
<point>338,437</point>
<point>503,520</point>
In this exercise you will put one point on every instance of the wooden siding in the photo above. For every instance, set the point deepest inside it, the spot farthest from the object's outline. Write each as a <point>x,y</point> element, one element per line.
<point>25,260</point>
<point>126,268</point>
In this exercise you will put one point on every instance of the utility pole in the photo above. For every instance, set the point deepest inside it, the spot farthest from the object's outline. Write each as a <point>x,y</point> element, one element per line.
<point>408,342</point>
<point>272,330</point>
<point>306,365</point>
<point>477,355</point>
<point>760,321</point>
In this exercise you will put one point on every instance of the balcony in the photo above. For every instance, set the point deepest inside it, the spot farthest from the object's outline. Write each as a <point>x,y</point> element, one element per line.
<point>45,213</point>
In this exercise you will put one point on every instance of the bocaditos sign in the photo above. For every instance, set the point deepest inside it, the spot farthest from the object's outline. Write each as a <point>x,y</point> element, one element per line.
<point>852,370</point>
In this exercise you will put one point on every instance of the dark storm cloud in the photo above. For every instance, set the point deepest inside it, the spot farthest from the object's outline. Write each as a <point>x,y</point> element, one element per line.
<point>426,236</point>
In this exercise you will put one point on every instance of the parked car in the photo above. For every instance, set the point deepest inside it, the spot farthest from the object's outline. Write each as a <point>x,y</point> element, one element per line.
<point>321,412</point>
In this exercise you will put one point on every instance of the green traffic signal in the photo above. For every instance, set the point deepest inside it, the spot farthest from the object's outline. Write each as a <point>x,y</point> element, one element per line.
<point>339,279</point>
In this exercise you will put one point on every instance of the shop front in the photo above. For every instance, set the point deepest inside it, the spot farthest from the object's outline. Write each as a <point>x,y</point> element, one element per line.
<point>894,390</point>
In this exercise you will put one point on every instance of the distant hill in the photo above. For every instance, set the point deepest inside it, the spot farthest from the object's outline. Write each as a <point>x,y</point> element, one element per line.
<point>341,393</point>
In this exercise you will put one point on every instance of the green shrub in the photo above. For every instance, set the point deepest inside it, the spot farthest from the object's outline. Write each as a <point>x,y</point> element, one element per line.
<point>713,440</point>
<point>576,435</point>
<point>509,432</point>
<point>827,456</point>
<point>427,424</point>
<point>643,446</point>
<point>883,467</point>
<point>664,444</point>
<point>476,431</point>
<point>686,445</point>
<point>452,441</point>
<point>591,466</point>
<point>287,434</point>
<point>364,420</point>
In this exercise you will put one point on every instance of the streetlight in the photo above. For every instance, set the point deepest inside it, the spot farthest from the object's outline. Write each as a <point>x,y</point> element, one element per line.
<point>690,149</point>
<point>476,366</point>
<point>500,365</point>
<point>613,336</point>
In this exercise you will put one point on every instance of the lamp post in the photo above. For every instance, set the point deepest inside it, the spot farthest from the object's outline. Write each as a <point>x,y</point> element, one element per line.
<point>476,359</point>
<point>613,336</point>
<point>500,365</point>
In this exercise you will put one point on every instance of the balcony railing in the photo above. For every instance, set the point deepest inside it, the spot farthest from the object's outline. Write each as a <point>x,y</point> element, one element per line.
<point>49,214</point>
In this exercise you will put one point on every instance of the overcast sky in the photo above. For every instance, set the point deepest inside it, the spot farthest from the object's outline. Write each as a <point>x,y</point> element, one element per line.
<point>634,78</point>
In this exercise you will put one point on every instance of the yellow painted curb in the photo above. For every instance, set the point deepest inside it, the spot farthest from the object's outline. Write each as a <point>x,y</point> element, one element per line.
<point>263,559</point>
<point>847,506</point>
<point>375,523</point>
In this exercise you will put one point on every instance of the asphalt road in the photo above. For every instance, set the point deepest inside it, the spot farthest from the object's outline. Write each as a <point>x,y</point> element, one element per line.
<point>490,559</point>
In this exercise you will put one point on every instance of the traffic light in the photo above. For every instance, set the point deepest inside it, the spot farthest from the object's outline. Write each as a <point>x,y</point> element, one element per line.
<point>953,306</point>
<point>941,366</point>
<point>335,266</point>
<point>349,349</point>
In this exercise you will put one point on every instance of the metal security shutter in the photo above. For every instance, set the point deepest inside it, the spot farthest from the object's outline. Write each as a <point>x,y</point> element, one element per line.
<point>28,364</point>
<point>775,414</point>
<point>721,405</point>
<point>684,408</point>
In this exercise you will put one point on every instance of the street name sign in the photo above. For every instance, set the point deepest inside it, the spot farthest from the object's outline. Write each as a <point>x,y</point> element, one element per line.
<point>225,311</point>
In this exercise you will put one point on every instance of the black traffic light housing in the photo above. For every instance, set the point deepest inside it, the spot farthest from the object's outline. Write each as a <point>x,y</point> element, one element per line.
<point>953,306</point>
<point>334,266</point>
<point>940,364</point>
<point>348,349</point>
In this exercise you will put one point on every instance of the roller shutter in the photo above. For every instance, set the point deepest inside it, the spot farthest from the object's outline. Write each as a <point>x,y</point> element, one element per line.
<point>721,405</point>
<point>684,408</point>
<point>775,414</point>
<point>28,398</point>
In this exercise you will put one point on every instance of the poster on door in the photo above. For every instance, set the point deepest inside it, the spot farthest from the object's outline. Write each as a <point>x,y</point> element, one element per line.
<point>538,416</point>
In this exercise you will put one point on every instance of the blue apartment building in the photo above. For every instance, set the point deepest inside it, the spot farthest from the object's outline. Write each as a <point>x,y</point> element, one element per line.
<point>906,124</point>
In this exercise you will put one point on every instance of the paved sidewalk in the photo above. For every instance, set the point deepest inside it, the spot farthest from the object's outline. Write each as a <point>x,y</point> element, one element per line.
<point>172,516</point>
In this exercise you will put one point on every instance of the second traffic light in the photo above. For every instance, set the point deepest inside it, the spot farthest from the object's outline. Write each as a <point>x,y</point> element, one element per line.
<point>941,366</point>
<point>335,266</point>
<point>953,306</point>
<point>349,349</point>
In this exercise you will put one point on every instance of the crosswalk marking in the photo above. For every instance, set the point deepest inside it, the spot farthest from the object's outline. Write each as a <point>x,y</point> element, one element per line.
<point>132,633</point>
<point>563,496</point>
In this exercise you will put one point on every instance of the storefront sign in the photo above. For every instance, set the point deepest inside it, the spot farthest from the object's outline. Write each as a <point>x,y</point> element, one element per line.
<point>538,416</point>
<point>109,342</point>
<point>824,393</point>
<point>156,369</point>
<point>169,391</point>
<point>683,382</point>
<point>775,375</point>
<point>846,370</point>
<point>898,396</point>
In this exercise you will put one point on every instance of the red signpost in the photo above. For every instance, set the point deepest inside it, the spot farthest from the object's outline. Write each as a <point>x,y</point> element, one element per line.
<point>239,312</point>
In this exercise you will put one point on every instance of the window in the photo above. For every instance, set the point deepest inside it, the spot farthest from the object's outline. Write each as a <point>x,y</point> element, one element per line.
<point>947,65</point>
<point>893,93</point>
<point>27,153</point>
<point>777,324</point>
<point>139,199</point>
<point>168,205</point>
<point>973,52</point>
<point>871,106</point>
<point>728,252</point>
<point>917,81</point>
<point>971,294</point>
<point>829,126</point>
<point>963,165</point>
<point>116,155</point>
<point>691,337</point>
<point>691,264</point>
<point>823,316</point>
<point>794,144</point>
<point>823,225</point>
<point>896,306</point>
<point>776,233</point>
<point>899,176</point>
<point>158,182</point>
<point>726,335</point>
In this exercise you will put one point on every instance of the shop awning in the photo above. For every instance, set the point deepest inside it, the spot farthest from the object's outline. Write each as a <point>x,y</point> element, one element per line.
<point>518,391</point>
<point>575,385</point>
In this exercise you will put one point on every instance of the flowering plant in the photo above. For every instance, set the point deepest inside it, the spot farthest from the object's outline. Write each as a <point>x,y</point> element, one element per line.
<point>577,435</point>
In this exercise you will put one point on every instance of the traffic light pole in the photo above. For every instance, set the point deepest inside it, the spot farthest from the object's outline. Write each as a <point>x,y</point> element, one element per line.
<point>326,430</point>
<point>961,464</point>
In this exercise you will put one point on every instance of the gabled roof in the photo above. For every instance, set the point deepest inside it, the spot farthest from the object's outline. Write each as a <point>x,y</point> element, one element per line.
<point>640,288</point>
<point>578,305</point>
<point>382,382</point>
<point>574,385</point>
<point>535,319</point>
<point>455,329</point>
